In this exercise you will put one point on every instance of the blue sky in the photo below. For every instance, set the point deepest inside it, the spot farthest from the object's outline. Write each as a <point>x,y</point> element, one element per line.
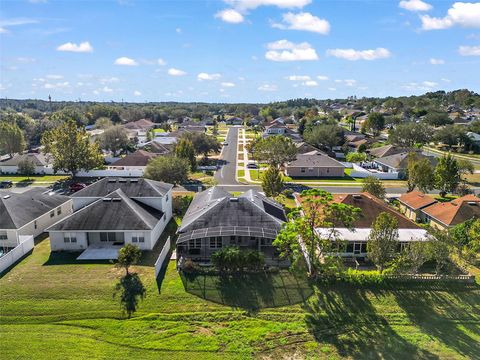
<point>236,50</point>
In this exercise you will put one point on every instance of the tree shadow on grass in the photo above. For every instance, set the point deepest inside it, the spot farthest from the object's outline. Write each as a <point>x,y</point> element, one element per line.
<point>447,315</point>
<point>248,291</point>
<point>344,316</point>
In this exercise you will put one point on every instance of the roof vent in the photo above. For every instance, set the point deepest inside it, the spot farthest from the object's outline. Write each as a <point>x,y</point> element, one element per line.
<point>234,199</point>
<point>112,180</point>
<point>116,199</point>
<point>6,197</point>
<point>107,199</point>
<point>133,180</point>
<point>122,180</point>
<point>472,203</point>
<point>357,196</point>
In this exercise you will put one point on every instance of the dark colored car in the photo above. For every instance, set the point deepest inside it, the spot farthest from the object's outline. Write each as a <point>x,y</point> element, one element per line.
<point>77,187</point>
<point>252,166</point>
<point>4,184</point>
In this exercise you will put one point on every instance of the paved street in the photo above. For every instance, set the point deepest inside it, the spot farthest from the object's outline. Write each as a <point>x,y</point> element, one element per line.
<point>225,175</point>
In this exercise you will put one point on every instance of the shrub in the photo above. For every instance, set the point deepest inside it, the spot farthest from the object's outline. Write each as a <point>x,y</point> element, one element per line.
<point>362,277</point>
<point>189,266</point>
<point>288,193</point>
<point>233,259</point>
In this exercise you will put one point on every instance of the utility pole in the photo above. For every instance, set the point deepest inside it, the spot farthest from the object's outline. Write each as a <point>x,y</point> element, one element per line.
<point>50,102</point>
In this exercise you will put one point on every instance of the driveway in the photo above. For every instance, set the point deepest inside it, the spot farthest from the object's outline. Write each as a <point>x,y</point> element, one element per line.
<point>225,175</point>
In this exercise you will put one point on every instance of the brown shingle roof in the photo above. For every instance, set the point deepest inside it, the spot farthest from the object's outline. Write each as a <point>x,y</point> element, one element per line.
<point>372,207</point>
<point>416,200</point>
<point>315,159</point>
<point>138,158</point>
<point>456,211</point>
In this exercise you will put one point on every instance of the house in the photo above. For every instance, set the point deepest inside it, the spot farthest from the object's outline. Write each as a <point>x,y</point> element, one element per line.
<point>41,161</point>
<point>443,215</point>
<point>159,148</point>
<point>276,127</point>
<point>234,121</point>
<point>371,207</point>
<point>111,213</point>
<point>29,213</point>
<point>193,126</point>
<point>303,147</point>
<point>139,129</point>
<point>412,204</point>
<point>135,161</point>
<point>474,137</point>
<point>217,219</point>
<point>386,150</point>
<point>314,164</point>
<point>398,162</point>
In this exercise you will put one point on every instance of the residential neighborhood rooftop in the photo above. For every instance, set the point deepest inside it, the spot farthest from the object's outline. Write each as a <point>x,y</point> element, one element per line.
<point>315,159</point>
<point>456,211</point>
<point>138,158</point>
<point>416,199</point>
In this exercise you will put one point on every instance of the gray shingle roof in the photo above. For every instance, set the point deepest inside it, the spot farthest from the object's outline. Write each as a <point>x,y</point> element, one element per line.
<point>38,159</point>
<point>18,209</point>
<point>133,188</point>
<point>315,159</point>
<point>116,211</point>
<point>215,207</point>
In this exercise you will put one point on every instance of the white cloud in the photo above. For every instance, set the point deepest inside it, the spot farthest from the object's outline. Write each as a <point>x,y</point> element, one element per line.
<point>267,87</point>
<point>244,5</point>
<point>176,72</point>
<point>208,77</point>
<point>54,77</point>
<point>125,61</point>
<point>462,14</point>
<point>434,61</point>
<point>347,82</point>
<point>322,77</point>
<point>137,93</point>
<point>58,85</point>
<point>4,24</point>
<point>83,47</point>
<point>298,77</point>
<point>354,55</point>
<point>107,89</point>
<point>25,60</point>
<point>332,89</point>
<point>310,83</point>
<point>108,80</point>
<point>227,84</point>
<point>178,30</point>
<point>230,16</point>
<point>423,86</point>
<point>284,50</point>
<point>415,5</point>
<point>161,62</point>
<point>469,50</point>
<point>303,21</point>
<point>446,80</point>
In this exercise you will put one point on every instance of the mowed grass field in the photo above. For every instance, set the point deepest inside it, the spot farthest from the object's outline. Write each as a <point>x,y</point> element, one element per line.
<point>52,307</point>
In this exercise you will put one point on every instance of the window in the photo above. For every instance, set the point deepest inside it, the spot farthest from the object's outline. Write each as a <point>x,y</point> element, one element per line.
<point>35,224</point>
<point>3,236</point>
<point>59,211</point>
<point>52,213</point>
<point>302,170</point>
<point>69,238</point>
<point>166,198</point>
<point>107,236</point>
<point>216,242</point>
<point>195,244</point>
<point>138,237</point>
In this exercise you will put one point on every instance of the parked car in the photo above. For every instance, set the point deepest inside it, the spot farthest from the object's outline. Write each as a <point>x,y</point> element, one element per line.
<point>225,143</point>
<point>4,184</point>
<point>77,187</point>
<point>252,166</point>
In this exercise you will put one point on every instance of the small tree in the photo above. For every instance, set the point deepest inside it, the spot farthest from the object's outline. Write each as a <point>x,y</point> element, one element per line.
<point>114,139</point>
<point>355,157</point>
<point>373,186</point>
<point>127,256</point>
<point>276,150</point>
<point>383,240</point>
<point>26,167</point>
<point>71,149</point>
<point>447,176</point>
<point>184,149</point>
<point>375,123</point>
<point>12,139</point>
<point>420,173</point>
<point>170,169</point>
<point>272,182</point>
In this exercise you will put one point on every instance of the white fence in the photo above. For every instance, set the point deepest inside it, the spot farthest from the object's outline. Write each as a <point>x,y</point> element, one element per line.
<point>162,257</point>
<point>17,253</point>
<point>360,172</point>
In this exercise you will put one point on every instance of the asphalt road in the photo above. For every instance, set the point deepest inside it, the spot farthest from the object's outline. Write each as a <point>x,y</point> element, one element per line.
<point>225,175</point>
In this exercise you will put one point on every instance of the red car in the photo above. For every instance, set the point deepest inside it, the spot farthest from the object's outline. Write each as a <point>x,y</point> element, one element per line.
<point>77,187</point>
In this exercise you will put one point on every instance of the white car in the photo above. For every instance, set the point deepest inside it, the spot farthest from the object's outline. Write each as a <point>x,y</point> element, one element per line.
<point>225,143</point>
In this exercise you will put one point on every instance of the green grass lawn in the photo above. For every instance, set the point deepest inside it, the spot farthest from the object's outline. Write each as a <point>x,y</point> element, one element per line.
<point>55,308</point>
<point>158,131</point>
<point>40,179</point>
<point>240,173</point>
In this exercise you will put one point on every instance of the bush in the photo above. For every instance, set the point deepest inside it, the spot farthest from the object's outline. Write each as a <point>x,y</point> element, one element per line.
<point>232,258</point>
<point>189,266</point>
<point>288,193</point>
<point>180,204</point>
<point>362,277</point>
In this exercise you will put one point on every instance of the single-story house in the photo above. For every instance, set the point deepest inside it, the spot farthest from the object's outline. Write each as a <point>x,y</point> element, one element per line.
<point>303,147</point>
<point>443,215</point>
<point>135,161</point>
<point>42,163</point>
<point>234,121</point>
<point>412,204</point>
<point>474,137</point>
<point>217,219</point>
<point>139,129</point>
<point>370,207</point>
<point>398,162</point>
<point>386,150</point>
<point>113,212</point>
<point>29,213</point>
<point>314,164</point>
